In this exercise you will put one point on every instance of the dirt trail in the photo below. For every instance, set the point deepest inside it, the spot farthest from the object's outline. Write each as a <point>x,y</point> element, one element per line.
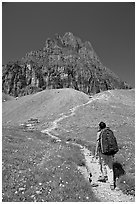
<point>102,191</point>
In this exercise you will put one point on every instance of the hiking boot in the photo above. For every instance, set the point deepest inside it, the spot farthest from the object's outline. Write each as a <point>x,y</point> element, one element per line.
<point>102,179</point>
<point>112,187</point>
<point>117,188</point>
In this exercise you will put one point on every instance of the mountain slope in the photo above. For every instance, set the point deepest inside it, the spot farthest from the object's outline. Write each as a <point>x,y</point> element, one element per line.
<point>63,62</point>
<point>42,105</point>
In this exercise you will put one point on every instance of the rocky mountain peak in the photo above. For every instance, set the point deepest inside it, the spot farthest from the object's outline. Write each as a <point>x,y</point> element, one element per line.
<point>63,62</point>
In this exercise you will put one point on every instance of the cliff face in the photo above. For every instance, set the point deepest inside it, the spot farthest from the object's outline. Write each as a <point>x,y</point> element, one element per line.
<point>64,62</point>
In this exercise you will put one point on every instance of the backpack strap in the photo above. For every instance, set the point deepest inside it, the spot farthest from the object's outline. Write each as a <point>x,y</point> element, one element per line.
<point>101,132</point>
<point>99,135</point>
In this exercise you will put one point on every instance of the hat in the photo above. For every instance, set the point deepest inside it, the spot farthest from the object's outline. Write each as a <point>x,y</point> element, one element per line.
<point>102,125</point>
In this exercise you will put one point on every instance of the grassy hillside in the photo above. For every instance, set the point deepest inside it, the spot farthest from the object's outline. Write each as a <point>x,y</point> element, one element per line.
<point>37,168</point>
<point>45,106</point>
<point>117,109</point>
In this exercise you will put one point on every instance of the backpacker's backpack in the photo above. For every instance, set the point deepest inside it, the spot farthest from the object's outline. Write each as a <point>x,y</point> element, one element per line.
<point>107,142</point>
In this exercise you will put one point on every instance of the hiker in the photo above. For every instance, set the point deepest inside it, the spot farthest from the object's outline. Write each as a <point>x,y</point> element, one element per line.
<point>105,152</point>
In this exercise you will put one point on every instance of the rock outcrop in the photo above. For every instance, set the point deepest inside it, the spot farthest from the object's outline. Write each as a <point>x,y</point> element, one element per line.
<point>63,62</point>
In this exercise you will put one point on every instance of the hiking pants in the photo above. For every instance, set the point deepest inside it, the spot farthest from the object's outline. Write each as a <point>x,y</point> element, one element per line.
<point>106,166</point>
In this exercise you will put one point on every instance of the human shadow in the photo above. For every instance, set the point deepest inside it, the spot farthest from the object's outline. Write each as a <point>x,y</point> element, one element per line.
<point>118,170</point>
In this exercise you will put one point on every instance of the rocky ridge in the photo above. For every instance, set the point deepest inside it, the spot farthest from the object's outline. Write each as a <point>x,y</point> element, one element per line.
<point>63,62</point>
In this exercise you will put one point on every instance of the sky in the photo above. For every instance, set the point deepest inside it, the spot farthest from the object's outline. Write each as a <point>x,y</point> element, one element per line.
<point>109,26</point>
